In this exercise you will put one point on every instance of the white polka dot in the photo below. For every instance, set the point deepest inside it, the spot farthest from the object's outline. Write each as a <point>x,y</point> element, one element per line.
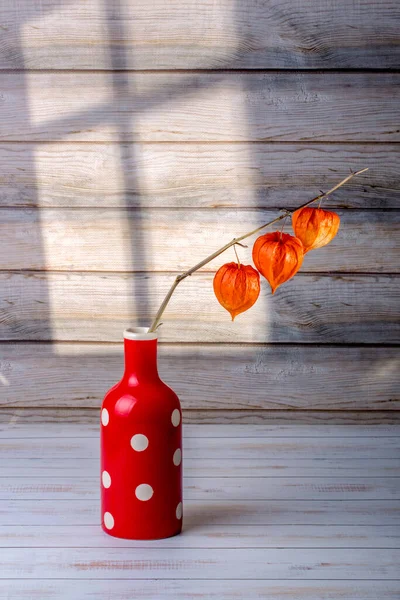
<point>139,442</point>
<point>178,511</point>
<point>176,417</point>
<point>144,491</point>
<point>177,457</point>
<point>108,520</point>
<point>105,417</point>
<point>106,479</point>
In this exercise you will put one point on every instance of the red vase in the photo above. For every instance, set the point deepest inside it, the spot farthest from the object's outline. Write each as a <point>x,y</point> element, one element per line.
<point>141,448</point>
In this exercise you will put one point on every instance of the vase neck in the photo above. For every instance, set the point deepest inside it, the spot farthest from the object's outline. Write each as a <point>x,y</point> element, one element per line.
<point>140,357</point>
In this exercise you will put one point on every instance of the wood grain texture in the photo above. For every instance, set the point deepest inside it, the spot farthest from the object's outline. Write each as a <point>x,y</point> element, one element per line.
<point>216,512</point>
<point>210,488</point>
<point>188,34</point>
<point>279,377</point>
<point>102,106</point>
<point>234,448</point>
<point>98,307</point>
<point>90,416</point>
<point>93,589</point>
<point>208,536</point>
<point>92,430</point>
<point>176,239</point>
<point>265,535</point>
<point>194,175</point>
<point>201,564</point>
<point>334,469</point>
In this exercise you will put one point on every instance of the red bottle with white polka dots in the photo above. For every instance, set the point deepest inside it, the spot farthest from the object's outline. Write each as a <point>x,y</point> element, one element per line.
<point>141,448</point>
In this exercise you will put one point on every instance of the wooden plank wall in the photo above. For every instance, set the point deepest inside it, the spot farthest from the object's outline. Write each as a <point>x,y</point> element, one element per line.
<point>137,137</point>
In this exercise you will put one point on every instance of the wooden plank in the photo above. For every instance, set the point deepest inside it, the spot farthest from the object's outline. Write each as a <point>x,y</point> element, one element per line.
<point>181,35</point>
<point>78,375</point>
<point>140,240</point>
<point>43,469</point>
<point>74,513</point>
<point>249,563</point>
<point>98,307</point>
<point>92,430</point>
<point>201,448</point>
<point>208,536</point>
<point>357,107</point>
<point>94,589</point>
<point>194,175</point>
<point>228,416</point>
<point>214,488</point>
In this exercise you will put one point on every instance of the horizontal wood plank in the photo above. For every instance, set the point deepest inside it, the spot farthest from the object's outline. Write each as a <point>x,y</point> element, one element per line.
<point>103,106</point>
<point>92,430</point>
<point>194,175</point>
<point>176,239</point>
<point>188,34</point>
<point>277,563</point>
<point>279,377</point>
<point>94,589</point>
<point>219,467</point>
<point>208,536</point>
<point>89,416</point>
<point>214,488</point>
<point>98,307</point>
<point>282,448</point>
<point>216,512</point>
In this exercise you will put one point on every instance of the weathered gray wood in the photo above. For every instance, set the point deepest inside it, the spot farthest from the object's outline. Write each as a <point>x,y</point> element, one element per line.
<point>200,106</point>
<point>174,240</point>
<point>51,531</point>
<point>201,564</point>
<point>134,35</point>
<point>98,307</point>
<point>91,430</point>
<point>196,175</point>
<point>200,448</point>
<point>43,469</point>
<point>94,589</point>
<point>214,487</point>
<point>47,415</point>
<point>216,512</point>
<point>208,536</point>
<point>267,377</point>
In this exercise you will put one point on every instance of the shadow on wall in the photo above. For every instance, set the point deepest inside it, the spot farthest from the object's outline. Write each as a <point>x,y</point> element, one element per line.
<point>30,293</point>
<point>31,308</point>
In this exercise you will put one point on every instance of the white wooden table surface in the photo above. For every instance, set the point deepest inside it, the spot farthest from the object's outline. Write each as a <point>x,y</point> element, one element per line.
<point>276,512</point>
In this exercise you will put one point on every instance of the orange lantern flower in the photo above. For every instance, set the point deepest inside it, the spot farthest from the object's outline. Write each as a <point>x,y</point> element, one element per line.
<point>278,256</point>
<point>315,227</point>
<point>236,287</point>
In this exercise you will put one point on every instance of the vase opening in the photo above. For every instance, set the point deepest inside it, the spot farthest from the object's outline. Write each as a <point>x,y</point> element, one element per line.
<point>139,333</point>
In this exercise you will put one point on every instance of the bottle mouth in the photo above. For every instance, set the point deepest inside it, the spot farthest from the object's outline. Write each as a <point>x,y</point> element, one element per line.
<point>139,333</point>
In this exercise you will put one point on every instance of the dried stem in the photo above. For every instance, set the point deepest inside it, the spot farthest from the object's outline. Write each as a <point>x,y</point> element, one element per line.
<point>198,266</point>
<point>237,258</point>
<point>283,225</point>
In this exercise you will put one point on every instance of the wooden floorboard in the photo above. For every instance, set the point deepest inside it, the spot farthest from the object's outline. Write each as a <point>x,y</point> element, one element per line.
<point>91,430</point>
<point>118,589</point>
<point>11,416</point>
<point>216,488</point>
<point>233,447</point>
<point>305,512</point>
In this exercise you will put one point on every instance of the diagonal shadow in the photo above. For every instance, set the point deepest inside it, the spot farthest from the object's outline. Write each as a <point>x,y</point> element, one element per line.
<point>12,318</point>
<point>124,104</point>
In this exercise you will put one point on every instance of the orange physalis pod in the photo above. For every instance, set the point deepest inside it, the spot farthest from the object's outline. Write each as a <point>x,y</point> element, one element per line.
<point>278,256</point>
<point>315,227</point>
<point>236,287</point>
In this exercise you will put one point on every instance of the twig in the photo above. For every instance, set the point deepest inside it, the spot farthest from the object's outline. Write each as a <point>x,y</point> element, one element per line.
<point>198,266</point>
